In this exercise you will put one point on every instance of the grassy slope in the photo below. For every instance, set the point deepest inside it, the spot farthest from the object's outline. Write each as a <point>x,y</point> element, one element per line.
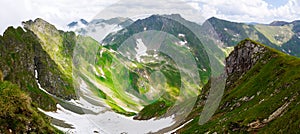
<point>276,34</point>
<point>272,84</point>
<point>61,45</point>
<point>293,44</point>
<point>88,69</point>
<point>171,72</point>
<point>231,33</point>
<point>133,79</point>
<point>17,113</point>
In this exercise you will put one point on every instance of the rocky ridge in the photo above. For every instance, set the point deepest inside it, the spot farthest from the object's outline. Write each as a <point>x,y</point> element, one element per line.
<point>243,58</point>
<point>260,96</point>
<point>25,62</point>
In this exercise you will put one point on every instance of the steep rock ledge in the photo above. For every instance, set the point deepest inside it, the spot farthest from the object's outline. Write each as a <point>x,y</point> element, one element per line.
<point>243,58</point>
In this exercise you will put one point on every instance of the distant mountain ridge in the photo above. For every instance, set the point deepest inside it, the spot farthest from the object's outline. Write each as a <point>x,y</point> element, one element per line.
<point>279,23</point>
<point>282,23</point>
<point>283,36</point>
<point>76,23</point>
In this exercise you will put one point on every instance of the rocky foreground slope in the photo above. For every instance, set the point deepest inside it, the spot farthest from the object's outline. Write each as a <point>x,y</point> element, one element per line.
<point>261,94</point>
<point>18,114</point>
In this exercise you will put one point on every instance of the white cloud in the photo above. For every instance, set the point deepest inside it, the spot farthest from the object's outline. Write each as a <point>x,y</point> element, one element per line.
<point>62,12</point>
<point>131,8</point>
<point>59,13</point>
<point>247,11</point>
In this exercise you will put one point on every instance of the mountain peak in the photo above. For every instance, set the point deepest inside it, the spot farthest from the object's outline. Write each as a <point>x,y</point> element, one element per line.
<point>170,16</point>
<point>82,22</point>
<point>244,56</point>
<point>278,23</point>
<point>37,21</point>
<point>38,24</point>
<point>178,16</point>
<point>214,19</point>
<point>118,20</point>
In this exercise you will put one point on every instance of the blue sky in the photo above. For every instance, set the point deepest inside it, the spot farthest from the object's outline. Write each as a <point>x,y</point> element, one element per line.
<point>62,12</point>
<point>276,3</point>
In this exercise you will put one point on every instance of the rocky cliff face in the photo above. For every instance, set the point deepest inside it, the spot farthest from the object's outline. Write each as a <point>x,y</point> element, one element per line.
<point>22,54</point>
<point>243,58</point>
<point>54,63</point>
<point>18,50</point>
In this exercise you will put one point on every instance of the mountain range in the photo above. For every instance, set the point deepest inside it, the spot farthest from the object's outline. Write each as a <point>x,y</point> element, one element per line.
<point>122,72</point>
<point>283,36</point>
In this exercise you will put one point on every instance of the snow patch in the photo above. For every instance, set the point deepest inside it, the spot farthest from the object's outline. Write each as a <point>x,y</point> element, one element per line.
<point>182,43</point>
<point>101,52</point>
<point>134,65</point>
<point>95,71</point>
<point>112,51</point>
<point>107,122</point>
<point>181,35</point>
<point>38,83</point>
<point>80,123</point>
<point>173,131</point>
<point>102,72</point>
<point>140,49</point>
